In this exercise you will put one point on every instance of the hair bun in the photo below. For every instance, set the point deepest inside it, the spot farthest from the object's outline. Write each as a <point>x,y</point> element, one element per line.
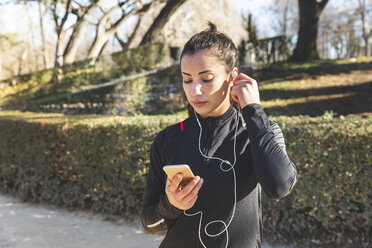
<point>212,27</point>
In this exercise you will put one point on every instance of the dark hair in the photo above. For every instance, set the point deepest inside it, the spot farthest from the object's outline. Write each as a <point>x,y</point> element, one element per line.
<point>218,44</point>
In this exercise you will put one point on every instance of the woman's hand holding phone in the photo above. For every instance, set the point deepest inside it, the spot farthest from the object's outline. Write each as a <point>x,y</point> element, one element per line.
<point>186,197</point>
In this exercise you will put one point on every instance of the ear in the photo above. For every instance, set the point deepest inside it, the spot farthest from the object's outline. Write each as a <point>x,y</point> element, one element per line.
<point>234,71</point>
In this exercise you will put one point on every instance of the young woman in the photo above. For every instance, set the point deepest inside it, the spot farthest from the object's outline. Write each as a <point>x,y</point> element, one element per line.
<point>228,142</point>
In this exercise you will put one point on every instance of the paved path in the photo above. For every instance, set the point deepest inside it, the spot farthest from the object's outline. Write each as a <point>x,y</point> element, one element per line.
<point>28,225</point>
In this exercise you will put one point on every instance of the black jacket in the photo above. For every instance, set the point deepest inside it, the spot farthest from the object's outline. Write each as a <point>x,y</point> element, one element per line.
<point>261,161</point>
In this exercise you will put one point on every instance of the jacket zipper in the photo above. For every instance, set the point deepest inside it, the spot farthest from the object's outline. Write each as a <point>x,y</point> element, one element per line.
<point>205,150</point>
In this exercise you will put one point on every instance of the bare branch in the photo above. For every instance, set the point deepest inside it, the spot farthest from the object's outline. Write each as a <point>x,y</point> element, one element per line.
<point>76,2</point>
<point>101,9</point>
<point>322,4</point>
<point>144,8</point>
<point>108,12</point>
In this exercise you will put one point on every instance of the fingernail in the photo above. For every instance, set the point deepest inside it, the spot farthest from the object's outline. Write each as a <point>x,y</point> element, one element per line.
<point>196,178</point>
<point>179,176</point>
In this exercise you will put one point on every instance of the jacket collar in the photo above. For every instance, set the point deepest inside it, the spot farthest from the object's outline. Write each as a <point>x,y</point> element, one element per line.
<point>216,120</point>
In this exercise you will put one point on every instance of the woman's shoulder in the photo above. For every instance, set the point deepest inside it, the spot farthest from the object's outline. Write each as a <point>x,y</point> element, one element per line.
<point>274,125</point>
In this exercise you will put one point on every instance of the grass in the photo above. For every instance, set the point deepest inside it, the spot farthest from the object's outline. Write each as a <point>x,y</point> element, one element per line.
<point>342,86</point>
<point>320,63</point>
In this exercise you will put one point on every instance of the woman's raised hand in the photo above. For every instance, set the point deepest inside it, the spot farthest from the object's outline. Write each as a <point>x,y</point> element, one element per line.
<point>186,197</point>
<point>245,90</point>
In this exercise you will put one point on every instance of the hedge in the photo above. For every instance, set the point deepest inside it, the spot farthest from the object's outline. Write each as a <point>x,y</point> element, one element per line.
<point>100,163</point>
<point>331,203</point>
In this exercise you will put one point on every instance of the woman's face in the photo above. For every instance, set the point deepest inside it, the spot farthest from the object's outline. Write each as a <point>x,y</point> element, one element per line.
<point>206,83</point>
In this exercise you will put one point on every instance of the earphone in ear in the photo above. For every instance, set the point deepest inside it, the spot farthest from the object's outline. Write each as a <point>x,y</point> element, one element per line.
<point>234,74</point>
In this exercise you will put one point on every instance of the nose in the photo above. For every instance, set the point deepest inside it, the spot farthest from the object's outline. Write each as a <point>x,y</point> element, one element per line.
<point>196,88</point>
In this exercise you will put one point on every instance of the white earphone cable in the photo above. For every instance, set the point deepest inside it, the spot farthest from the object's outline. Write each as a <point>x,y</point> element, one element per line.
<point>235,197</point>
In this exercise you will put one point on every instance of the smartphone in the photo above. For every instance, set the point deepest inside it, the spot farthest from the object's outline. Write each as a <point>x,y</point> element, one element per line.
<point>173,170</point>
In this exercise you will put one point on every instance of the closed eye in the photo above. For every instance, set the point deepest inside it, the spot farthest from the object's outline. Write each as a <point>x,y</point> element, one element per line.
<point>208,81</point>
<point>204,80</point>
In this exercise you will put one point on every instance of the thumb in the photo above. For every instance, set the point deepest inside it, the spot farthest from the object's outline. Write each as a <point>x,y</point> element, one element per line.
<point>234,95</point>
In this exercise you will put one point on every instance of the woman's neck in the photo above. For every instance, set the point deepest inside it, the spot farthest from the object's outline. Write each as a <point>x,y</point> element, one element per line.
<point>220,110</point>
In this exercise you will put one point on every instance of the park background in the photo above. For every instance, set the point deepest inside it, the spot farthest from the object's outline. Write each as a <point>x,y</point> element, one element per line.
<point>86,85</point>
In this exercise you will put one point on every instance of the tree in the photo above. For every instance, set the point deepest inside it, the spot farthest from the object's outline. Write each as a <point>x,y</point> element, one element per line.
<point>105,28</point>
<point>363,12</point>
<point>71,19</point>
<point>6,42</point>
<point>252,30</point>
<point>287,16</point>
<point>66,54</point>
<point>306,48</point>
<point>10,42</point>
<point>60,29</point>
<point>41,18</point>
<point>161,19</point>
<point>81,12</point>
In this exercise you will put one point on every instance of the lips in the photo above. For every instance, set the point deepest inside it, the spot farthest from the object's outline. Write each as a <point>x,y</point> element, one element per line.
<point>198,103</point>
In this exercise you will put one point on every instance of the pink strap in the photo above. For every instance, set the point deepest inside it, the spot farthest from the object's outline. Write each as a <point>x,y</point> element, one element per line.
<point>181,125</point>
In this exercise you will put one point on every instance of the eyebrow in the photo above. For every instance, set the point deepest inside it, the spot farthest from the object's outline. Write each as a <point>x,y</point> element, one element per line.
<point>205,71</point>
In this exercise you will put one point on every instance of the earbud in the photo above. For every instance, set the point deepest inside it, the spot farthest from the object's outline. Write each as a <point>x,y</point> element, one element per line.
<point>234,74</point>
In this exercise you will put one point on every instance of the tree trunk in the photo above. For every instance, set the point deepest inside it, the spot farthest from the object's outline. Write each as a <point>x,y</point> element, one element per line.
<point>102,37</point>
<point>43,49</point>
<point>122,43</point>
<point>99,42</point>
<point>103,47</point>
<point>60,33</point>
<point>366,50</point>
<point>73,43</point>
<point>77,34</point>
<point>31,44</point>
<point>141,12</point>
<point>134,33</point>
<point>365,33</point>
<point>310,11</point>
<point>161,20</point>
<point>21,59</point>
<point>285,18</point>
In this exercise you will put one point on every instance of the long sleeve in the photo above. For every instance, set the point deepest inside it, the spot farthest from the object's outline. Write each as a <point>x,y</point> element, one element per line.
<point>274,170</point>
<point>157,212</point>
